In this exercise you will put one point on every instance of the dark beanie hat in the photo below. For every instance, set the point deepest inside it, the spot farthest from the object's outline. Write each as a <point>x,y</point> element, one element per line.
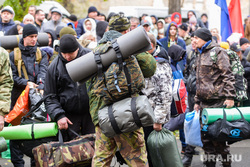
<point>72,17</point>
<point>204,34</point>
<point>92,9</point>
<point>68,44</point>
<point>29,29</point>
<point>243,41</point>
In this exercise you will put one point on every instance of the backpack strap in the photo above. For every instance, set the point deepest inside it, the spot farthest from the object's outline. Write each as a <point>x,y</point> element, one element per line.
<point>98,61</point>
<point>19,63</point>
<point>121,65</point>
<point>38,55</point>
<point>118,53</point>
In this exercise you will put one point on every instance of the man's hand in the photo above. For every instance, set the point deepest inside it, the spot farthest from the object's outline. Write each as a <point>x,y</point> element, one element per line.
<point>229,103</point>
<point>41,91</point>
<point>32,84</point>
<point>1,122</point>
<point>63,123</point>
<point>157,127</point>
<point>196,107</point>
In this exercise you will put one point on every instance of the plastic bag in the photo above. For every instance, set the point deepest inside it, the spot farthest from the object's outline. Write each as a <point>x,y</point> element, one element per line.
<point>192,129</point>
<point>40,114</point>
<point>20,109</point>
<point>175,123</point>
<point>163,149</point>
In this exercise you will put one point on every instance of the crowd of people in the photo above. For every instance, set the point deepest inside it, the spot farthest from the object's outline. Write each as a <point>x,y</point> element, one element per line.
<point>180,50</point>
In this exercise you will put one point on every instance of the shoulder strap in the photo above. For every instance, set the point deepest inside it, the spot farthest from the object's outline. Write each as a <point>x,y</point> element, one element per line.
<point>18,61</point>
<point>38,104</point>
<point>38,55</point>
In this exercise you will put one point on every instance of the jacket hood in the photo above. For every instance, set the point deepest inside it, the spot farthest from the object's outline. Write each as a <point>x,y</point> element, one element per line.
<point>52,33</point>
<point>175,52</point>
<point>171,24</point>
<point>156,18</point>
<point>71,24</point>
<point>109,36</point>
<point>101,26</point>
<point>176,13</point>
<point>93,23</point>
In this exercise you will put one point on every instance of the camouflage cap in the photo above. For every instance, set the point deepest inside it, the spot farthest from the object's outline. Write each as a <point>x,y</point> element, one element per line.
<point>119,22</point>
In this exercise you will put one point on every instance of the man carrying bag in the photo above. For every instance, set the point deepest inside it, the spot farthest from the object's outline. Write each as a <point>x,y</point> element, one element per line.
<point>131,144</point>
<point>214,88</point>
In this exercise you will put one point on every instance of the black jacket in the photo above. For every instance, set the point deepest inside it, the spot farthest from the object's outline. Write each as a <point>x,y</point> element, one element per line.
<point>190,72</point>
<point>246,66</point>
<point>36,72</point>
<point>69,97</point>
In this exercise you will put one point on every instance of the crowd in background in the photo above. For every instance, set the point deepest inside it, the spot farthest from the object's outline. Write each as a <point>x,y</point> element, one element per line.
<point>168,31</point>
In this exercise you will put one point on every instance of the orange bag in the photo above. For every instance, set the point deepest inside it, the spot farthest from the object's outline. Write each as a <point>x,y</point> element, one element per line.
<point>20,109</point>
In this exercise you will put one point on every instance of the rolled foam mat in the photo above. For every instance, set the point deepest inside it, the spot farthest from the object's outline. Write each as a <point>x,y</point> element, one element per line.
<point>210,115</point>
<point>24,132</point>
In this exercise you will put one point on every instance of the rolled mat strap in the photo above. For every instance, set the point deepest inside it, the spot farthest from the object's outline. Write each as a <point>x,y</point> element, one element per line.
<point>134,112</point>
<point>113,121</point>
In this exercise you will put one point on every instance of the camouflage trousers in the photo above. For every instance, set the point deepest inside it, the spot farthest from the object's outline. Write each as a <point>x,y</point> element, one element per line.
<point>131,146</point>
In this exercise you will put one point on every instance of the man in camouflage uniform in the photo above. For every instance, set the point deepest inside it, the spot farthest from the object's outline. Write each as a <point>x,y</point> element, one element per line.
<point>214,87</point>
<point>131,145</point>
<point>6,84</point>
<point>158,89</point>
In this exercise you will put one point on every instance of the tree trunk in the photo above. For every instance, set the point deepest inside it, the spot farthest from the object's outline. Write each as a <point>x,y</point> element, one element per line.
<point>174,6</point>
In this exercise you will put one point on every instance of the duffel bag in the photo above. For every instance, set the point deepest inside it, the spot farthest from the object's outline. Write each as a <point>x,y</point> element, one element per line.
<point>78,152</point>
<point>163,149</point>
<point>125,116</point>
<point>223,130</point>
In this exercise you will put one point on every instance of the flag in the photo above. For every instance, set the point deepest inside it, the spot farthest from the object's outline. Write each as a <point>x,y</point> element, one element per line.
<point>226,28</point>
<point>235,16</point>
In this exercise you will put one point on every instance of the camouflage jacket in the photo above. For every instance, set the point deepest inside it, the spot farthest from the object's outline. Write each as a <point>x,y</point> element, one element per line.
<point>158,89</point>
<point>214,80</point>
<point>147,64</point>
<point>6,82</point>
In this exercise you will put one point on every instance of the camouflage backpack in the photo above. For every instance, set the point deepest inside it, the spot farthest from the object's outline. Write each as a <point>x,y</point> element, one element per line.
<point>238,72</point>
<point>120,80</point>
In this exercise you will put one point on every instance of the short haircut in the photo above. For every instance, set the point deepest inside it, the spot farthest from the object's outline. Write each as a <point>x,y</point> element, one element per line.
<point>152,38</point>
<point>38,10</point>
<point>32,6</point>
<point>135,19</point>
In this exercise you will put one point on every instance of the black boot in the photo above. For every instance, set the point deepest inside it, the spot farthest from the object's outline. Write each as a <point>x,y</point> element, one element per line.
<point>187,161</point>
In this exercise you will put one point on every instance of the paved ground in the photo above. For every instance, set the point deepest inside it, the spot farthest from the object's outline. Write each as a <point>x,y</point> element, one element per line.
<point>240,152</point>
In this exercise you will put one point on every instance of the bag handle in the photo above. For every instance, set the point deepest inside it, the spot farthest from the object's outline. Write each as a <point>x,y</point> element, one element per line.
<point>225,116</point>
<point>37,105</point>
<point>60,137</point>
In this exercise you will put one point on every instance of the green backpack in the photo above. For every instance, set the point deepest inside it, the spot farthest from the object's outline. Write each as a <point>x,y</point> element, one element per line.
<point>120,80</point>
<point>238,71</point>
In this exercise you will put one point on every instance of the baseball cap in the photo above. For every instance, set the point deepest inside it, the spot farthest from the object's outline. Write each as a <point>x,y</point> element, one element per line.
<point>235,47</point>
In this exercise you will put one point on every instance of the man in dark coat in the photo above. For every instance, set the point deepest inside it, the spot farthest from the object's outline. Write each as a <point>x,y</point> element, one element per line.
<point>70,105</point>
<point>35,72</point>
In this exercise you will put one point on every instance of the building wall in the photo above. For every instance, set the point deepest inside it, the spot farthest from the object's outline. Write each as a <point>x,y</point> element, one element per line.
<point>81,6</point>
